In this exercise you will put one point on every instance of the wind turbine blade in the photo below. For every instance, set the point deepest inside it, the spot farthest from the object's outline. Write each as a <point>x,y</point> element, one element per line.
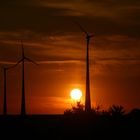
<point>82,29</point>
<point>7,68</point>
<point>16,63</point>
<point>28,59</point>
<point>22,48</point>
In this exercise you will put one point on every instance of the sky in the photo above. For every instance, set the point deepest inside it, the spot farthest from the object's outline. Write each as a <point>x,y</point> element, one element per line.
<point>52,39</point>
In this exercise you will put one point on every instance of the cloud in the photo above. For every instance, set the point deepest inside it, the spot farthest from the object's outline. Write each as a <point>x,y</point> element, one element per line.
<point>49,105</point>
<point>41,16</point>
<point>61,62</point>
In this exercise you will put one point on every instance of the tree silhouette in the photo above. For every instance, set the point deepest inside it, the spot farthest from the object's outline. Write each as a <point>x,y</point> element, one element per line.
<point>78,109</point>
<point>116,110</point>
<point>68,112</point>
<point>97,110</point>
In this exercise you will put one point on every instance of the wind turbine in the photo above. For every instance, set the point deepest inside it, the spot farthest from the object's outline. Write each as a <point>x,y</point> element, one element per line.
<point>23,58</point>
<point>87,97</point>
<point>5,87</point>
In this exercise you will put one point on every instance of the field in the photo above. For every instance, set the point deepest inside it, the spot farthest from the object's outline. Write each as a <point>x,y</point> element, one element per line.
<point>69,127</point>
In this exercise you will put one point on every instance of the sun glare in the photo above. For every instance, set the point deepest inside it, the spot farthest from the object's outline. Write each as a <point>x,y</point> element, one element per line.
<point>76,94</point>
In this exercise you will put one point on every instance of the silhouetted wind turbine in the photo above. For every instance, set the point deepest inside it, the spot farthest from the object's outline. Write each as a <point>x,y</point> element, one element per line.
<point>87,98</point>
<point>5,87</point>
<point>23,58</point>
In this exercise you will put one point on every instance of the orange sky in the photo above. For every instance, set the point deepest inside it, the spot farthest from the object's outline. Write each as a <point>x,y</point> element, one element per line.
<point>52,39</point>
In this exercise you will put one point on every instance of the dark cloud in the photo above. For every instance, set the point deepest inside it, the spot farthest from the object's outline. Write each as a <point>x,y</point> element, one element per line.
<point>23,18</point>
<point>120,59</point>
<point>123,19</point>
<point>18,2</point>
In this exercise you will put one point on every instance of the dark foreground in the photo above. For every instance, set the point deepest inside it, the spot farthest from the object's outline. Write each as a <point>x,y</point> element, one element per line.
<point>69,127</point>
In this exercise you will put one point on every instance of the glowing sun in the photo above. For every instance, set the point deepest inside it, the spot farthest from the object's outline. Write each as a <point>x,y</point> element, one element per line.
<point>76,94</point>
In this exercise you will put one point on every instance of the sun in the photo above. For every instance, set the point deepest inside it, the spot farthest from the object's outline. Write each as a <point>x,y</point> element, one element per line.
<point>76,94</point>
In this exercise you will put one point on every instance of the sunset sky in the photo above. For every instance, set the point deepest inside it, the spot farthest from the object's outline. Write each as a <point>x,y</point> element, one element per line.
<point>59,47</point>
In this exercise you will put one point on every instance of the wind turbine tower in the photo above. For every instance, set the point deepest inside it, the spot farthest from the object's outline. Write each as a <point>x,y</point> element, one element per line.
<point>5,89</point>
<point>87,96</point>
<point>4,97</point>
<point>22,60</point>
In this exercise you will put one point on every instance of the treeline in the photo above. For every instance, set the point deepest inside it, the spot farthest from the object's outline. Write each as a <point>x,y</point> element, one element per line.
<point>116,111</point>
